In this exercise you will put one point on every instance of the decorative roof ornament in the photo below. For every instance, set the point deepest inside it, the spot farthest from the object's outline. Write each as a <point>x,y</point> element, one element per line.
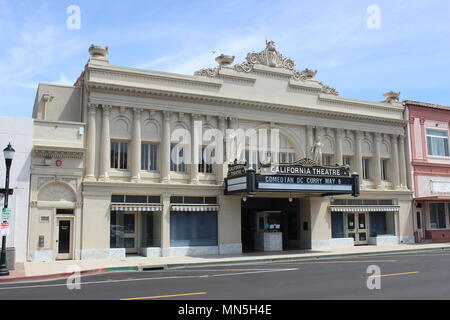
<point>222,60</point>
<point>269,57</point>
<point>392,97</point>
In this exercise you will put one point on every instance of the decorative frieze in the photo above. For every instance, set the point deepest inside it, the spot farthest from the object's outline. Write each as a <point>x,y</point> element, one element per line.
<point>58,154</point>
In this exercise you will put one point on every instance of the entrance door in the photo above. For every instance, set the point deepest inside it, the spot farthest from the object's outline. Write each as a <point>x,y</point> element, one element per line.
<point>64,240</point>
<point>419,223</point>
<point>357,228</point>
<point>130,232</point>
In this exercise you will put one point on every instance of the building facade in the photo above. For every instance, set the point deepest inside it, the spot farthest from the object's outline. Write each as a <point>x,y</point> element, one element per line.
<point>18,132</point>
<point>110,175</point>
<point>430,160</point>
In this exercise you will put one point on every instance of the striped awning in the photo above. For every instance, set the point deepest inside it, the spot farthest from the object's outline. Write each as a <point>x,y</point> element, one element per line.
<point>136,207</point>
<point>194,208</point>
<point>365,208</point>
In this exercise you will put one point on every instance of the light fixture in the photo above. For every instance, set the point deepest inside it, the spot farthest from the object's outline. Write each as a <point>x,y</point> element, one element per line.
<point>244,199</point>
<point>9,152</point>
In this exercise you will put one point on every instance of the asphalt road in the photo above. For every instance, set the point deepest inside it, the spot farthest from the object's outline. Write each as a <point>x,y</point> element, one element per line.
<point>403,276</point>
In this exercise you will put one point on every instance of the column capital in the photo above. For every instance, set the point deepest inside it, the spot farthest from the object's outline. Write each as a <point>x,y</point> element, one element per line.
<point>138,110</point>
<point>167,115</point>
<point>359,134</point>
<point>92,107</point>
<point>106,109</point>
<point>422,121</point>
<point>411,120</point>
<point>377,136</point>
<point>340,132</point>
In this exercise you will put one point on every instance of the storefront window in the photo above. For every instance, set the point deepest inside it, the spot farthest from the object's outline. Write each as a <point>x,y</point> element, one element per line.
<point>378,225</point>
<point>437,216</point>
<point>381,223</point>
<point>193,229</point>
<point>337,225</point>
<point>151,229</point>
<point>116,230</point>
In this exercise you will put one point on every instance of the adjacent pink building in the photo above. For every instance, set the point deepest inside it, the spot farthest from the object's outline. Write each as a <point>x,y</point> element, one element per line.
<point>429,126</point>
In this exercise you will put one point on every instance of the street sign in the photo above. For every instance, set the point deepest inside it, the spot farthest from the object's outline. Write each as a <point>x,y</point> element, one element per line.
<point>5,229</point>
<point>6,214</point>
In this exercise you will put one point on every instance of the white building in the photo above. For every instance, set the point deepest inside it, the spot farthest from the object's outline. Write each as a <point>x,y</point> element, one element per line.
<point>18,132</point>
<point>104,183</point>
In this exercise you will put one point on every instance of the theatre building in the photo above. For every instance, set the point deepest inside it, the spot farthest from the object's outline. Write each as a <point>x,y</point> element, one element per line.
<point>430,159</point>
<point>112,174</point>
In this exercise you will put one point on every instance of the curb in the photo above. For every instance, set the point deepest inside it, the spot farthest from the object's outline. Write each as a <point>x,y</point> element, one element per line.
<point>213,263</point>
<point>55,275</point>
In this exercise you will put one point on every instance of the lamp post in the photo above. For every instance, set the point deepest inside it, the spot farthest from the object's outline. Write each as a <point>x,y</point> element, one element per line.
<point>9,155</point>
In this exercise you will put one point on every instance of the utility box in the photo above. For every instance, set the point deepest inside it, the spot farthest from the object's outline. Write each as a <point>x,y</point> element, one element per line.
<point>11,258</point>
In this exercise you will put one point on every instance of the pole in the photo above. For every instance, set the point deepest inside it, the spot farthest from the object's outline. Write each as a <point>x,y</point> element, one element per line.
<point>3,267</point>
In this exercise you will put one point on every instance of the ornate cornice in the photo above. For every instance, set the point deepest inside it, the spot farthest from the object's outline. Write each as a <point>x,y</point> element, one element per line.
<point>132,91</point>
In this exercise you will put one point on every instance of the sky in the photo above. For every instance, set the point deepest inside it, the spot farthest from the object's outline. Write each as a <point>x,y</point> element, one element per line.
<point>361,48</point>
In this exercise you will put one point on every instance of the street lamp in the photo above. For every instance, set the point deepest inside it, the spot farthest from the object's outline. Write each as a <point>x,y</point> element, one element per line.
<point>9,155</point>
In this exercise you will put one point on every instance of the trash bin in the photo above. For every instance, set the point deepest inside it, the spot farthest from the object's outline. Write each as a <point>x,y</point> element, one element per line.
<point>11,258</point>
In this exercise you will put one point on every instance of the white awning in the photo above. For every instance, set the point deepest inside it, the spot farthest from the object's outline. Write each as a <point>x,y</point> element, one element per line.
<point>136,207</point>
<point>365,208</point>
<point>194,208</point>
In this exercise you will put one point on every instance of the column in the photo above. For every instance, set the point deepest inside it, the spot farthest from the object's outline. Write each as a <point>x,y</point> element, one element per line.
<point>165,148</point>
<point>105,144</point>
<point>195,149</point>
<point>358,154</point>
<point>395,165</point>
<point>413,137</point>
<point>377,161</point>
<point>424,140</point>
<point>309,141</point>
<point>339,138</point>
<point>91,133</point>
<point>136,146</point>
<point>402,162</point>
<point>220,156</point>
<point>165,226</point>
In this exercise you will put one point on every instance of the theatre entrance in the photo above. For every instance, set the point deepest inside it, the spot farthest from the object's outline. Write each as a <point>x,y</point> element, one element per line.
<point>270,224</point>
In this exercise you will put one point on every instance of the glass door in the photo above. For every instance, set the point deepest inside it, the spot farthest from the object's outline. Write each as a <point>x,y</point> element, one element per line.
<point>419,223</point>
<point>357,228</point>
<point>130,235</point>
<point>64,240</point>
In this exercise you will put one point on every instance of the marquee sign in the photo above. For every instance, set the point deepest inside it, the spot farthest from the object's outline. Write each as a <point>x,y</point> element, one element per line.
<point>302,176</point>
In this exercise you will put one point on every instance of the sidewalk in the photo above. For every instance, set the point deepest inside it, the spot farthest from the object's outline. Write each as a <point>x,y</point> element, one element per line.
<point>42,270</point>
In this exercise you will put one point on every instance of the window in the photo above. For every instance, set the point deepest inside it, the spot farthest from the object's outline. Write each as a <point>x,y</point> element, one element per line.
<point>337,225</point>
<point>347,161</point>
<point>193,229</point>
<point>177,159</point>
<point>205,158</point>
<point>326,160</point>
<point>437,141</point>
<point>384,170</point>
<point>149,157</point>
<point>64,211</point>
<point>119,155</point>
<point>366,168</point>
<point>286,157</point>
<point>437,216</point>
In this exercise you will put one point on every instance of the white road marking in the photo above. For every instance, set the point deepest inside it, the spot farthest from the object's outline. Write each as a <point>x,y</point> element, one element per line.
<point>334,262</point>
<point>149,279</point>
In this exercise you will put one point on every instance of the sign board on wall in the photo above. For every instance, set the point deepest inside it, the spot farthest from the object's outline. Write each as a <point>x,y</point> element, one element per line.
<point>301,176</point>
<point>440,187</point>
